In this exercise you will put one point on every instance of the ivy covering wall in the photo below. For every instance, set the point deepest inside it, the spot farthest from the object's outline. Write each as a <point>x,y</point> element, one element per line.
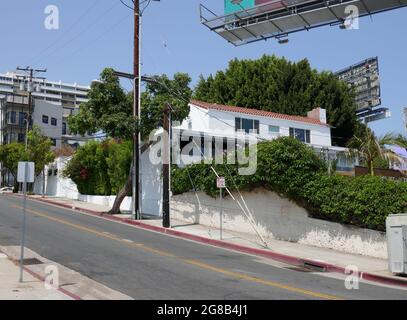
<point>293,170</point>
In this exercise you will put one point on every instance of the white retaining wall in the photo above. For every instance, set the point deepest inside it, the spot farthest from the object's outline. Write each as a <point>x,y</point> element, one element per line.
<point>279,218</point>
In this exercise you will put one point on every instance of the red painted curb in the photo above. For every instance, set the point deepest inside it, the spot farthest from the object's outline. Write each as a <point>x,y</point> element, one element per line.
<point>326,267</point>
<point>39,277</point>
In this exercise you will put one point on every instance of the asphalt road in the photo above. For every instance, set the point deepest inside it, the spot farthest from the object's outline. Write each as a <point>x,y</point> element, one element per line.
<point>149,265</point>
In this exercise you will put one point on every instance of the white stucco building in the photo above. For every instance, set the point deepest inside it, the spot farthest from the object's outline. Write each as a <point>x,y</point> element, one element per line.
<point>232,126</point>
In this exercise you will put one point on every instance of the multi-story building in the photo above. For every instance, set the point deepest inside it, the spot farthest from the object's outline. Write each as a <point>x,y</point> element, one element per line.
<point>57,100</point>
<point>51,105</point>
<point>64,95</point>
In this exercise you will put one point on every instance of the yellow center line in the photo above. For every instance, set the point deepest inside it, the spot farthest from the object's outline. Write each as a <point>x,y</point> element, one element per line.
<point>186,261</point>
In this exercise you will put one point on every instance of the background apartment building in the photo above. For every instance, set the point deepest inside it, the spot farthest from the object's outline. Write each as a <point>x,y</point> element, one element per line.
<point>52,104</point>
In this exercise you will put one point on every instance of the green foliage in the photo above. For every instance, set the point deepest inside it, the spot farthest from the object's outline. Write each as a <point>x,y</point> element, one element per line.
<point>10,155</point>
<point>39,149</point>
<point>373,151</point>
<point>293,170</point>
<point>100,168</point>
<point>275,84</point>
<point>364,201</point>
<point>110,109</point>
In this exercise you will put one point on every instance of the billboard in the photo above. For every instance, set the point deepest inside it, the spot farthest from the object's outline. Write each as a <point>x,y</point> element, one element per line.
<point>232,6</point>
<point>247,21</point>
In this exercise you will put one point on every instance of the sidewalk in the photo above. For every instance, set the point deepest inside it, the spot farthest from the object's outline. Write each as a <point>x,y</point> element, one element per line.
<point>372,269</point>
<point>30,289</point>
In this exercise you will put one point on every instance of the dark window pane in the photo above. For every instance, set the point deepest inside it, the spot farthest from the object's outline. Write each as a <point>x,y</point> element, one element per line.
<point>53,121</point>
<point>300,134</point>
<point>257,126</point>
<point>45,119</point>
<point>308,136</point>
<point>238,124</point>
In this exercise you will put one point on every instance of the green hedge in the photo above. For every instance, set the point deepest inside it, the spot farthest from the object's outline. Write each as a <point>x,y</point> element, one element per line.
<point>293,170</point>
<point>100,168</point>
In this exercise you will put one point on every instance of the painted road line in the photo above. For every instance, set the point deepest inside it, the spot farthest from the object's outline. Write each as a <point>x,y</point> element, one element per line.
<point>195,263</point>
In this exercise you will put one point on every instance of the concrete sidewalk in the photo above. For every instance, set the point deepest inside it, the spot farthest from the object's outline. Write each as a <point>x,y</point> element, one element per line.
<point>369,268</point>
<point>30,289</point>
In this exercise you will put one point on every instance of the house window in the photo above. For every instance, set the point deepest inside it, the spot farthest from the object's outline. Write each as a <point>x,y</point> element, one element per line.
<point>11,117</point>
<point>21,137</point>
<point>64,128</point>
<point>21,119</point>
<point>45,119</point>
<point>247,125</point>
<point>301,134</point>
<point>54,142</point>
<point>54,121</point>
<point>274,130</point>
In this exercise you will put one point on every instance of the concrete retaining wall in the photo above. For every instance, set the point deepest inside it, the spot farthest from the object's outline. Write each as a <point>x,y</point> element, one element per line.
<point>278,218</point>
<point>106,201</point>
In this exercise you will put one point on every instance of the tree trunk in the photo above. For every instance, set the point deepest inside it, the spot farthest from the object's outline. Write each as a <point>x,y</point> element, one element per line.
<point>371,168</point>
<point>127,187</point>
<point>122,194</point>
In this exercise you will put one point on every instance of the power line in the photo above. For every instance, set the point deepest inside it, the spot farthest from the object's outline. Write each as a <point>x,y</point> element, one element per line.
<point>79,34</point>
<point>71,26</point>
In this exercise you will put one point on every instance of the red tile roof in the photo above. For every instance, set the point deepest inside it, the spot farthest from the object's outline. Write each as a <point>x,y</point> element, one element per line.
<point>256,112</point>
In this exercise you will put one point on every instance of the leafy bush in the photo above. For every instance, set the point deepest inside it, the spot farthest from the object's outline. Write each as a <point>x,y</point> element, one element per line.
<point>293,170</point>
<point>100,168</point>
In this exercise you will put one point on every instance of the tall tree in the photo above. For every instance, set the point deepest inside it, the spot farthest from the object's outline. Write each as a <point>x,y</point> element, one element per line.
<point>10,155</point>
<point>372,149</point>
<point>276,84</point>
<point>109,109</point>
<point>39,151</point>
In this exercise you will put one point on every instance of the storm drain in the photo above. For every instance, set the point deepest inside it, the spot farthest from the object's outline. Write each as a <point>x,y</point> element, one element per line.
<point>31,261</point>
<point>314,267</point>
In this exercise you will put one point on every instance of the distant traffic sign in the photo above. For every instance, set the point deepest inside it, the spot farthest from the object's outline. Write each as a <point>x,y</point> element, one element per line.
<point>221,182</point>
<point>21,174</point>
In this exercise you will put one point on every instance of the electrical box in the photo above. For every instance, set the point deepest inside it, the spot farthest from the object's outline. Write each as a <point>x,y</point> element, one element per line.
<point>396,230</point>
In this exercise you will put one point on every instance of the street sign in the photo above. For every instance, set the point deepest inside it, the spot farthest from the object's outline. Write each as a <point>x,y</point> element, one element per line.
<point>221,182</point>
<point>21,174</point>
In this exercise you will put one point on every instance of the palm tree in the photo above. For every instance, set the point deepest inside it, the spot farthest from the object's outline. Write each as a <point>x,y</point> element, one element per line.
<point>370,148</point>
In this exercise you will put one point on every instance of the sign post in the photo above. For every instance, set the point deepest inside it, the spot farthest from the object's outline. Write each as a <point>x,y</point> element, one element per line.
<point>25,174</point>
<point>221,183</point>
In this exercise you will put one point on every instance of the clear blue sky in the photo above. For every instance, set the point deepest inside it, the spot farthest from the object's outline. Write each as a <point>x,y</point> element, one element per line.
<point>98,33</point>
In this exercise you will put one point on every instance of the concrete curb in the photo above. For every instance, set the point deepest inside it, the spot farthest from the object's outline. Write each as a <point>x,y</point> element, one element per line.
<point>308,263</point>
<point>41,278</point>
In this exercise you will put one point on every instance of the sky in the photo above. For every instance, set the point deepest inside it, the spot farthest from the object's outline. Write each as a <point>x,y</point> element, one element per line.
<point>94,34</point>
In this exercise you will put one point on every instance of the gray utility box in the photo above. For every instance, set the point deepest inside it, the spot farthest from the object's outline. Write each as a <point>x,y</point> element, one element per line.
<point>396,230</point>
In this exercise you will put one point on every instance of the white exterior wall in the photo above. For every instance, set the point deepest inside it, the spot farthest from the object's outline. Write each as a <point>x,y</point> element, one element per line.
<point>223,123</point>
<point>51,111</point>
<point>278,218</point>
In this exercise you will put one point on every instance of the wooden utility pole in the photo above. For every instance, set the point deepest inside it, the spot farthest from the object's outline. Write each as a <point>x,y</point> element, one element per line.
<point>136,113</point>
<point>166,165</point>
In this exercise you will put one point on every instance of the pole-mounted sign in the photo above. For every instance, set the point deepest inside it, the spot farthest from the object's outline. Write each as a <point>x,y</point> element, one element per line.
<point>221,184</point>
<point>25,174</point>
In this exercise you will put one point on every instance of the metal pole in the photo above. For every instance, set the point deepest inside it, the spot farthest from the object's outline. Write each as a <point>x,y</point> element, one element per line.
<point>24,221</point>
<point>221,214</point>
<point>136,113</point>
<point>166,167</point>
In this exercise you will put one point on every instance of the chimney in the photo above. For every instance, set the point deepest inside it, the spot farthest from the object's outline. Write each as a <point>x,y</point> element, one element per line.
<point>317,113</point>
